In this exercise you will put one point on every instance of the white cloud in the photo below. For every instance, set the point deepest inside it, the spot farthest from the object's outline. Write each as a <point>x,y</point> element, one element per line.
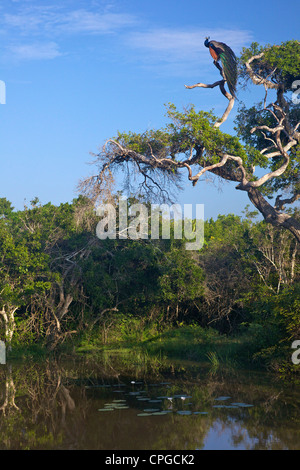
<point>36,51</point>
<point>82,21</point>
<point>181,52</point>
<point>33,29</point>
<point>54,20</point>
<point>172,44</point>
<point>36,26</point>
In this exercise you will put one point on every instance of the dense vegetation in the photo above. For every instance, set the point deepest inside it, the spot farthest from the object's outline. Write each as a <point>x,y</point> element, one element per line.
<point>235,300</point>
<point>62,288</point>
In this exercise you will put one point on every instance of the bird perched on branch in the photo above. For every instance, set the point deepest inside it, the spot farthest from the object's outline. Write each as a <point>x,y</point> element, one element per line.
<point>220,51</point>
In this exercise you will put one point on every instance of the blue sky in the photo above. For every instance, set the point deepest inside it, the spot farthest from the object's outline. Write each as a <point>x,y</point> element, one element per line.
<point>76,72</point>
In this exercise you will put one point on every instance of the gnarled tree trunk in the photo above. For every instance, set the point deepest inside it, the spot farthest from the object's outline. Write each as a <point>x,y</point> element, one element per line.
<point>8,315</point>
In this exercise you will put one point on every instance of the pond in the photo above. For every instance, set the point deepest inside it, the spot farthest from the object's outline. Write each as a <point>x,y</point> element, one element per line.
<point>133,402</point>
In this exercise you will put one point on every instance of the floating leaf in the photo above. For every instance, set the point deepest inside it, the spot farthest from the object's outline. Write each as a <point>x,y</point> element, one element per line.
<point>242,405</point>
<point>182,396</point>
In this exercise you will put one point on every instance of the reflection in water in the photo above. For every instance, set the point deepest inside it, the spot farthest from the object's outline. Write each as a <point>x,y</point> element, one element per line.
<point>114,404</point>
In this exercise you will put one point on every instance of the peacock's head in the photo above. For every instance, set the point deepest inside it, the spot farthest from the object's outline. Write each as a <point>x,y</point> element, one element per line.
<point>206,42</point>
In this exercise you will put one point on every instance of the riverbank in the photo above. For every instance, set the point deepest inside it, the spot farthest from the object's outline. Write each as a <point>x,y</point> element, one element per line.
<point>191,342</point>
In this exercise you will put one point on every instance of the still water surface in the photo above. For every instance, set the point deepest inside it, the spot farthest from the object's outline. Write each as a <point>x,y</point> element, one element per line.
<point>126,402</point>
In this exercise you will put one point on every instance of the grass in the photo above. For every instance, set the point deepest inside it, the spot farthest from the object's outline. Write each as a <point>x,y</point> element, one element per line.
<point>191,342</point>
<point>153,339</point>
<point>196,343</point>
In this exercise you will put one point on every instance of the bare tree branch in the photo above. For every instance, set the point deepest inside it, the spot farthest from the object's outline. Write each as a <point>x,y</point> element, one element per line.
<point>227,95</point>
<point>257,79</point>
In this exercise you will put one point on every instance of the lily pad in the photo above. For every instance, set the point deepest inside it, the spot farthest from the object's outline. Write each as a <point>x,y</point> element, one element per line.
<point>222,398</point>
<point>241,405</point>
<point>183,396</point>
<point>184,412</point>
<point>144,414</point>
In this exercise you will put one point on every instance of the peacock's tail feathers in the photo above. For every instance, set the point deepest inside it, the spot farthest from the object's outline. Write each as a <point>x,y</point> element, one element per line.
<point>229,63</point>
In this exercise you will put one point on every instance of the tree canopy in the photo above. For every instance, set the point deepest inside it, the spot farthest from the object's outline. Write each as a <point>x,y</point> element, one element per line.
<point>267,138</point>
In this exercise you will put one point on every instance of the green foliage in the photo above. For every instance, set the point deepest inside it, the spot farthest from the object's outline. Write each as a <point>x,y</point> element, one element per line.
<point>280,62</point>
<point>181,279</point>
<point>275,324</point>
<point>152,293</point>
<point>22,266</point>
<point>55,272</point>
<point>188,129</point>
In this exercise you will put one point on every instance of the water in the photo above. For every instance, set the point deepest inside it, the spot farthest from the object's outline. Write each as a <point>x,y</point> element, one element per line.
<point>135,403</point>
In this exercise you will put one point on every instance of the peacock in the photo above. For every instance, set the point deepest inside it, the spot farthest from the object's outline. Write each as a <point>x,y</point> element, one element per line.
<point>220,51</point>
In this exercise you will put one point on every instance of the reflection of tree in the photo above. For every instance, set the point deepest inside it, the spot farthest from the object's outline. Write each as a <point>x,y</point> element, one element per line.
<point>44,403</point>
<point>54,406</point>
<point>9,404</point>
<point>48,396</point>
